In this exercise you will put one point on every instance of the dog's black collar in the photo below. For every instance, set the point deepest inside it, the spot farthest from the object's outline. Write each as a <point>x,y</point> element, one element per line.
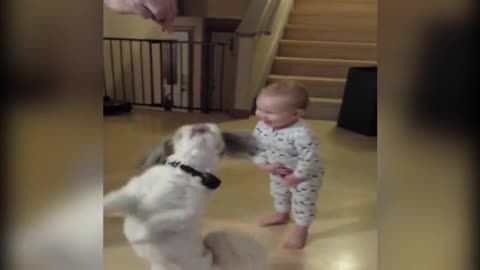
<point>208,180</point>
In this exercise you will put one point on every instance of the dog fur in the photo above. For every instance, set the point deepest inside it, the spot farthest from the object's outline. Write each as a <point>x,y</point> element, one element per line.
<point>163,206</point>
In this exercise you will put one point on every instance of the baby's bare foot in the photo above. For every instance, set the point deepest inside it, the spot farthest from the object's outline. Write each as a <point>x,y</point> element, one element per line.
<point>275,219</point>
<point>297,238</point>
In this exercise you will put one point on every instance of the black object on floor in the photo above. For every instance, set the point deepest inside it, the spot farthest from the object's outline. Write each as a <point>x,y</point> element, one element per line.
<point>113,107</point>
<point>358,111</point>
<point>168,103</point>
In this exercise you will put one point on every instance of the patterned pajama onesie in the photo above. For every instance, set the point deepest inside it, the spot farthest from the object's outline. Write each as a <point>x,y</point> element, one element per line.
<point>296,148</point>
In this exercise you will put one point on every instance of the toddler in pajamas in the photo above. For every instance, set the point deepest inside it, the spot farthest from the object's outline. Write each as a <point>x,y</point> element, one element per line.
<point>288,151</point>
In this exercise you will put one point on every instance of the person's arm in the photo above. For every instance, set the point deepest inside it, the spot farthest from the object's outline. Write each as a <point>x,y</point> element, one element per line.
<point>161,11</point>
<point>260,157</point>
<point>309,161</point>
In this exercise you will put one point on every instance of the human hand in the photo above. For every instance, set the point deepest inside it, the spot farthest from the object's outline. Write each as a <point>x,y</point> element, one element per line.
<point>162,12</point>
<point>280,169</point>
<point>291,180</point>
<point>275,168</point>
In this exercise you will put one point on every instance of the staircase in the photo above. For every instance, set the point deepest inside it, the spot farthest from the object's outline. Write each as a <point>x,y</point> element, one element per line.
<point>322,39</point>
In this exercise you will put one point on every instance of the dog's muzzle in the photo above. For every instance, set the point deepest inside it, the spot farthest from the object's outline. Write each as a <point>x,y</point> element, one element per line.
<point>200,129</point>
<point>209,180</point>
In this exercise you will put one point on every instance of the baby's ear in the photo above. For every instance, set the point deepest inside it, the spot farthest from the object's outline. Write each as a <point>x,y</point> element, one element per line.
<point>300,112</point>
<point>238,143</point>
<point>156,154</point>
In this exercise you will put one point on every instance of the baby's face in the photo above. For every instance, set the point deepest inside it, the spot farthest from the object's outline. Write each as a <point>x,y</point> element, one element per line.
<point>276,111</point>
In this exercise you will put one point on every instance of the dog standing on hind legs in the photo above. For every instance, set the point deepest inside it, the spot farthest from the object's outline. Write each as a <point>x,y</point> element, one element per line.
<point>164,205</point>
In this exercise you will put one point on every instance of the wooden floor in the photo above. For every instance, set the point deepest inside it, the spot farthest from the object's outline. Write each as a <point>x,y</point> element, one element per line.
<point>344,235</point>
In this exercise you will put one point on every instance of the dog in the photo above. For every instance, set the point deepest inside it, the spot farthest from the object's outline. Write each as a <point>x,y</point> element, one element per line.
<point>164,205</point>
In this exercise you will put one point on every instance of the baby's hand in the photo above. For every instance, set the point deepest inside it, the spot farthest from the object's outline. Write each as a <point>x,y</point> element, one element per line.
<point>291,180</point>
<point>264,167</point>
<point>280,169</point>
<point>275,168</point>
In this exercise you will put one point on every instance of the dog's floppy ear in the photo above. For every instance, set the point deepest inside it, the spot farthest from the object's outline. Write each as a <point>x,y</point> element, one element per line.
<point>238,143</point>
<point>119,202</point>
<point>157,154</point>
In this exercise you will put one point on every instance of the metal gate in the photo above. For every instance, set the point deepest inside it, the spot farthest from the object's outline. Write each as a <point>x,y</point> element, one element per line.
<point>165,73</point>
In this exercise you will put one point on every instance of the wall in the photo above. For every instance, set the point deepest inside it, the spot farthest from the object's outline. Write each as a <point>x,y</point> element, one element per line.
<point>266,48</point>
<point>227,8</point>
<point>196,8</point>
<point>216,8</point>
<point>424,184</point>
<point>256,52</point>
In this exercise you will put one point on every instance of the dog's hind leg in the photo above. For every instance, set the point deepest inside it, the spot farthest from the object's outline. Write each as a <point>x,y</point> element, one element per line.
<point>161,266</point>
<point>158,266</point>
<point>172,220</point>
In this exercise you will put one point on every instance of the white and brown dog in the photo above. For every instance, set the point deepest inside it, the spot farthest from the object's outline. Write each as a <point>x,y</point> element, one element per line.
<point>164,205</point>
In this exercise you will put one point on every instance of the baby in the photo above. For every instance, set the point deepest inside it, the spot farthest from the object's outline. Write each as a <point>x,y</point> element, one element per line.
<point>288,151</point>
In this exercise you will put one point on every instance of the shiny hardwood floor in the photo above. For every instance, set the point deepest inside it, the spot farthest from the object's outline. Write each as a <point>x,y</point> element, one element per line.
<point>344,235</point>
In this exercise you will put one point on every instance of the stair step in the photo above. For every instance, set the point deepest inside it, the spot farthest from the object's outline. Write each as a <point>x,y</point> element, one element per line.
<point>335,21</point>
<point>336,7</point>
<point>335,68</point>
<point>325,33</point>
<point>323,108</point>
<point>323,39</point>
<point>322,49</point>
<point>316,86</point>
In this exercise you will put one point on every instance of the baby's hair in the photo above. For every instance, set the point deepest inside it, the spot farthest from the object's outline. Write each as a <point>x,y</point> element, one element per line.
<point>296,91</point>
